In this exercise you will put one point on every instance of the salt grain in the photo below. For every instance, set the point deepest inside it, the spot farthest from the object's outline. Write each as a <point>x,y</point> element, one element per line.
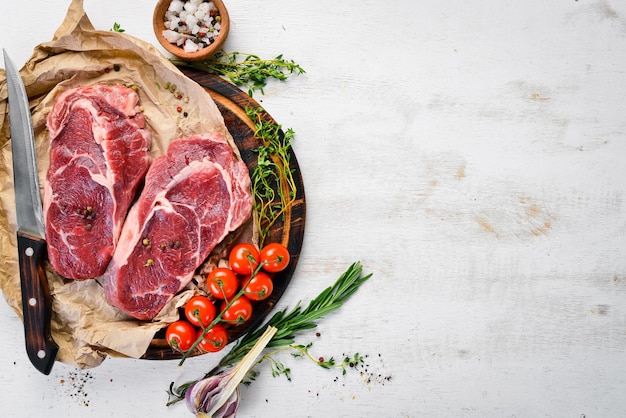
<point>176,6</point>
<point>191,21</point>
<point>190,46</point>
<point>204,8</point>
<point>172,36</point>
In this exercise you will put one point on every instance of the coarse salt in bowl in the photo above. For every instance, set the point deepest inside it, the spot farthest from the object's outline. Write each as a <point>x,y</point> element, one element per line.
<point>191,30</point>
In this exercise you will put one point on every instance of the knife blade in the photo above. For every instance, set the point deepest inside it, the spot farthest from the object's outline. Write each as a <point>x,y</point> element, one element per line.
<point>31,242</point>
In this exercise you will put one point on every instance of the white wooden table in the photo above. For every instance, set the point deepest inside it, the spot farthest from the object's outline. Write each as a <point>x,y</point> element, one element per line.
<point>472,155</point>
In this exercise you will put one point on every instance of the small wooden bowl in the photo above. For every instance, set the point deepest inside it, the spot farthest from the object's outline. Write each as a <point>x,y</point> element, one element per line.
<point>158,24</point>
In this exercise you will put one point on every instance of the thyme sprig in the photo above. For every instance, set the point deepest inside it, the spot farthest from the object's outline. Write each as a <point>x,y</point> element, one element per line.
<point>248,71</point>
<point>273,184</point>
<point>303,351</point>
<point>289,322</point>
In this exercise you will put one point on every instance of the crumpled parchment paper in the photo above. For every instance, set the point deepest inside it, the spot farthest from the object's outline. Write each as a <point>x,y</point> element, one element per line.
<point>84,325</point>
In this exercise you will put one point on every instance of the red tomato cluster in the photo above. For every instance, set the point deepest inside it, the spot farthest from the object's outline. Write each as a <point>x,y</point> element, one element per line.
<point>234,289</point>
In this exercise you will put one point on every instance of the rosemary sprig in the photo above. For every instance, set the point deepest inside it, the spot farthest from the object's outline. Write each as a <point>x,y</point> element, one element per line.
<point>273,185</point>
<point>246,70</point>
<point>289,322</point>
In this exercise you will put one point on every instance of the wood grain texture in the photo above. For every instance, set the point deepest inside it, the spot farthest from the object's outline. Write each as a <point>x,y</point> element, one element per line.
<point>36,303</point>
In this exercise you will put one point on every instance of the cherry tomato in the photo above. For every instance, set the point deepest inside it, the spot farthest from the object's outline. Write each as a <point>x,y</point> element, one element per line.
<point>222,283</point>
<point>259,287</point>
<point>274,257</point>
<point>239,312</point>
<point>180,335</point>
<point>215,339</point>
<point>243,258</point>
<point>200,311</point>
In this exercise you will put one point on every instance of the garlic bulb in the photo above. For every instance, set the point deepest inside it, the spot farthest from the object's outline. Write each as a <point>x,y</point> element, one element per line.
<point>218,396</point>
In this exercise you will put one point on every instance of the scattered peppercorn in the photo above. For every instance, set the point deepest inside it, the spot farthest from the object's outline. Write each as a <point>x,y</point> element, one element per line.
<point>76,385</point>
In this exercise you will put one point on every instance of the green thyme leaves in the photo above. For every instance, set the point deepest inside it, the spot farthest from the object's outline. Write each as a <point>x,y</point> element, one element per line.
<point>249,72</point>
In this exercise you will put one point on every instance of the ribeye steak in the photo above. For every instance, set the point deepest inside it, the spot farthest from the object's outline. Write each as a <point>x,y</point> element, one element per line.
<point>98,159</point>
<point>192,198</point>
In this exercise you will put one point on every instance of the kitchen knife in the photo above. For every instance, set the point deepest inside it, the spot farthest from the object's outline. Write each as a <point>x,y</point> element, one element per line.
<point>31,242</point>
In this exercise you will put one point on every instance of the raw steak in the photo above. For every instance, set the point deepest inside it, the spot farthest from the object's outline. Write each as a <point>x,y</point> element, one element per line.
<point>193,197</point>
<point>98,159</point>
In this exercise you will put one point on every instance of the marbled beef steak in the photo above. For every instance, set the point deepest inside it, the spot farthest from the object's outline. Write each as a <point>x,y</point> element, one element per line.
<point>98,159</point>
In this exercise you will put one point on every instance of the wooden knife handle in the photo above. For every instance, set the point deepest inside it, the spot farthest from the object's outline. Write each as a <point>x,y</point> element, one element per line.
<point>36,303</point>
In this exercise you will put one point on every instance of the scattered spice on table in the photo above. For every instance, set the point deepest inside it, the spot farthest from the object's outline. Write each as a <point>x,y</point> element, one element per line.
<point>77,385</point>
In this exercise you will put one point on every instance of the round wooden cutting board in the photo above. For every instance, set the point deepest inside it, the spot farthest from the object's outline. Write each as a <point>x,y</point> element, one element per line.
<point>289,231</point>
